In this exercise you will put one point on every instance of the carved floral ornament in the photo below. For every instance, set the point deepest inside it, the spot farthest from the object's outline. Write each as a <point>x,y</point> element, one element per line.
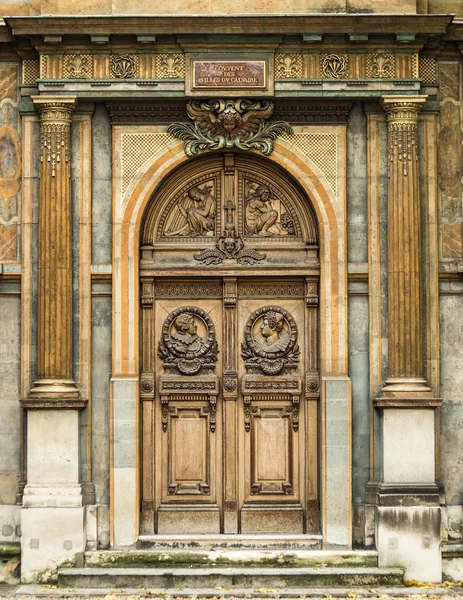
<point>226,124</point>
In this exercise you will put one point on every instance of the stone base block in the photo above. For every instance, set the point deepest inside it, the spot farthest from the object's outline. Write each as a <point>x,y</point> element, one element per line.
<point>452,562</point>
<point>50,537</point>
<point>409,537</point>
<point>10,523</point>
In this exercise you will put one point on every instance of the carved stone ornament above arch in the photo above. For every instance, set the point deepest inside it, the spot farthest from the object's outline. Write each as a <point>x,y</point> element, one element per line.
<point>244,195</point>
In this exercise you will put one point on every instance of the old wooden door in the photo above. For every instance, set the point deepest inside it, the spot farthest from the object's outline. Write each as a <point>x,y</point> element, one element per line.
<point>229,377</point>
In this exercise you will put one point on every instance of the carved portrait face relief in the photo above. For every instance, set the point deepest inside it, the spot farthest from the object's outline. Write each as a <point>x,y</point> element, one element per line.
<point>270,338</point>
<point>188,341</point>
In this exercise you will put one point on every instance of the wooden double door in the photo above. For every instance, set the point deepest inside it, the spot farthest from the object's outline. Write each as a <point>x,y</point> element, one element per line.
<point>229,409</point>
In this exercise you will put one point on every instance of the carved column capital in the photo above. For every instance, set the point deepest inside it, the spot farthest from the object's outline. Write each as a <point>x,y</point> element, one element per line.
<point>403,109</point>
<point>55,108</point>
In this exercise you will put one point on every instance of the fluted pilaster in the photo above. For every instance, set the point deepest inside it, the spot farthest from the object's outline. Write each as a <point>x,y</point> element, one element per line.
<point>405,304</point>
<point>54,289</point>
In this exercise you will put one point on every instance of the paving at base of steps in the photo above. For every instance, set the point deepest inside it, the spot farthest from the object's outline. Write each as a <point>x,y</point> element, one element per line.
<point>447,591</point>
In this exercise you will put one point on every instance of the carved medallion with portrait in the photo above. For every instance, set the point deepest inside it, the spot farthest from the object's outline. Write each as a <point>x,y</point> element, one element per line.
<point>188,344</point>
<point>270,341</point>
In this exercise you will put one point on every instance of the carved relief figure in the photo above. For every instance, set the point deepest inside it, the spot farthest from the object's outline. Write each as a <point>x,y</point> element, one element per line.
<point>197,218</point>
<point>200,216</point>
<point>273,336</point>
<point>260,216</point>
<point>264,213</point>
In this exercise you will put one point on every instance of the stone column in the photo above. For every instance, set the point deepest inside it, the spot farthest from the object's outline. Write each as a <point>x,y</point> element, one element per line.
<point>52,516</point>
<point>54,289</point>
<point>408,526</point>
<point>405,305</point>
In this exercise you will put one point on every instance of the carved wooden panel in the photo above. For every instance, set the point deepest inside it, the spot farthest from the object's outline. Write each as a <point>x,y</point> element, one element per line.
<point>272,452</point>
<point>189,452</point>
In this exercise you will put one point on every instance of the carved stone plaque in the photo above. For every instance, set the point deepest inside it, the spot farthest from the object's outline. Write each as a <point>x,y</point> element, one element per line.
<point>212,74</point>
<point>224,74</point>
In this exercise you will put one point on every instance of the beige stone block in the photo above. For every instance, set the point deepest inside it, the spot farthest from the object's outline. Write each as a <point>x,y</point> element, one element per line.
<point>13,9</point>
<point>74,7</point>
<point>382,6</point>
<point>408,446</point>
<point>50,537</point>
<point>125,506</point>
<point>52,447</point>
<point>410,538</point>
<point>445,7</point>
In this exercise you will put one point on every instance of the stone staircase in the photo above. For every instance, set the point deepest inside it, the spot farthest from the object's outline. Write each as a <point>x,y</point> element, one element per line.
<point>228,563</point>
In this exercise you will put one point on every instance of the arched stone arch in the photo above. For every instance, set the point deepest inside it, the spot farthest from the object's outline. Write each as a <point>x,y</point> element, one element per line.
<point>129,210</point>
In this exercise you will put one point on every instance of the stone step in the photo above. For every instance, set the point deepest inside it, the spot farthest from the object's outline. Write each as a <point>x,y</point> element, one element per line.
<point>226,557</point>
<point>229,577</point>
<point>251,541</point>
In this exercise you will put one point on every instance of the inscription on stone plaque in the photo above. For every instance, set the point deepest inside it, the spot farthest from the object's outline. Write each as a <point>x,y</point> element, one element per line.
<point>224,74</point>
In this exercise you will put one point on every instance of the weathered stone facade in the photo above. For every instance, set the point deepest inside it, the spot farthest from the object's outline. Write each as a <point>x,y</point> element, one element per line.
<point>134,181</point>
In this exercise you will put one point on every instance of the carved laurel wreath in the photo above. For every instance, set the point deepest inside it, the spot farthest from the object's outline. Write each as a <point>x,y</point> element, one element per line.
<point>192,363</point>
<point>270,363</point>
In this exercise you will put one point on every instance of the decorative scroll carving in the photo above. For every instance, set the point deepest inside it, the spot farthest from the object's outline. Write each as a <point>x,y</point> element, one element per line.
<point>181,348</point>
<point>220,124</point>
<point>270,341</point>
<point>381,65</point>
<point>229,248</point>
<point>124,66</point>
<point>78,66</point>
<point>288,66</point>
<point>334,66</point>
<point>265,214</point>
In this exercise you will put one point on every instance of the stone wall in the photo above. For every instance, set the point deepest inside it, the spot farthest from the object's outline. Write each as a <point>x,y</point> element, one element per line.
<point>109,7</point>
<point>10,301</point>
<point>450,183</point>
